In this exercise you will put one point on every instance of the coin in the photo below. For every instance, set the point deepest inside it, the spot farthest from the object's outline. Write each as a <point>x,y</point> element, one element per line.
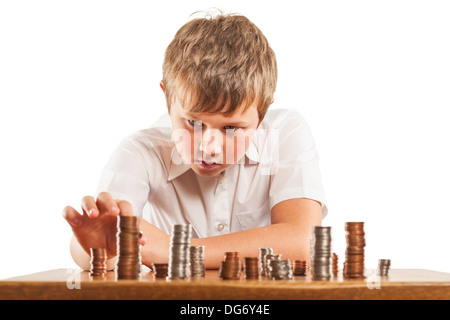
<point>383,267</point>
<point>251,267</point>
<point>269,258</point>
<point>335,265</point>
<point>320,253</point>
<point>197,261</point>
<point>354,253</point>
<point>299,267</point>
<point>179,252</point>
<point>98,262</point>
<point>128,265</point>
<point>262,260</point>
<point>230,267</point>
<point>160,269</point>
<point>280,269</point>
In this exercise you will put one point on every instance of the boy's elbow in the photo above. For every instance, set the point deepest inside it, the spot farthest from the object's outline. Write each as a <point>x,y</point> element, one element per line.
<point>79,256</point>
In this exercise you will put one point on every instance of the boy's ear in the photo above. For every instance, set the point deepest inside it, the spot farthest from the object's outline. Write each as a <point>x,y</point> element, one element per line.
<point>162,87</point>
<point>270,103</point>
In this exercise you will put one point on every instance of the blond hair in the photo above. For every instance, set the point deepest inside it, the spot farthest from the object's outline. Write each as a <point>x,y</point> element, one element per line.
<point>218,64</point>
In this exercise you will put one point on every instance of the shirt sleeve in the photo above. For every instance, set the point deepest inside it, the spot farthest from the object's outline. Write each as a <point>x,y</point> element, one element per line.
<point>296,173</point>
<point>126,173</point>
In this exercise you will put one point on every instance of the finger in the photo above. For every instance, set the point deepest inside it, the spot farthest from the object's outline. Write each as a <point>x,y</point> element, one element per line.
<point>125,208</point>
<point>106,203</point>
<point>89,206</point>
<point>72,216</point>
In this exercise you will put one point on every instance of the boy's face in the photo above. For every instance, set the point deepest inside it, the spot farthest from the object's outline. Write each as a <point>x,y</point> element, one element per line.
<point>212,142</point>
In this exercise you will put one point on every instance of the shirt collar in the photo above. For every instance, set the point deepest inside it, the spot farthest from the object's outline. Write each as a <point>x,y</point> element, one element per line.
<point>178,167</point>
<point>253,151</point>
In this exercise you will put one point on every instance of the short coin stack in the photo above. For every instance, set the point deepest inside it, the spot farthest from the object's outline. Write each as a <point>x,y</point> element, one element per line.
<point>383,267</point>
<point>335,265</point>
<point>354,254</point>
<point>321,253</point>
<point>269,258</point>
<point>251,267</point>
<point>98,262</point>
<point>197,261</point>
<point>280,269</point>
<point>128,250</point>
<point>230,267</point>
<point>299,267</point>
<point>263,252</point>
<point>180,243</point>
<point>160,270</point>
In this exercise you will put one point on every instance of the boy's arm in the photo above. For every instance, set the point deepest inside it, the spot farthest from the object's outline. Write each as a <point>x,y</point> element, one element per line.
<point>288,235</point>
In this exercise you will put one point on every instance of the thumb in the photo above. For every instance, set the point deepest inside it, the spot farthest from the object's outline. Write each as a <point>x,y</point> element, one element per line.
<point>72,216</point>
<point>142,239</point>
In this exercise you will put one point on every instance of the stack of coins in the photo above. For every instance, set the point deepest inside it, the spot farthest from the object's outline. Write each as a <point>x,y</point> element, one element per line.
<point>128,250</point>
<point>280,269</point>
<point>197,261</point>
<point>98,262</point>
<point>180,243</point>
<point>160,270</point>
<point>269,258</point>
<point>335,265</point>
<point>383,267</point>
<point>321,253</point>
<point>230,267</point>
<point>251,268</point>
<point>263,252</point>
<point>354,254</point>
<point>299,267</point>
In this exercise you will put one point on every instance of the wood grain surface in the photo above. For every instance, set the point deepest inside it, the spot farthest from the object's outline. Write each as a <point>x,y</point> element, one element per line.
<point>61,284</point>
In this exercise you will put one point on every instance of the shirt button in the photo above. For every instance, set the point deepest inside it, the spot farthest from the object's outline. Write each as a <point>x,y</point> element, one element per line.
<point>220,226</point>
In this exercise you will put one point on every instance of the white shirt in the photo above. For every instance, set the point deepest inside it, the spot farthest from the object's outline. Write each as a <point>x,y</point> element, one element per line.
<point>281,163</point>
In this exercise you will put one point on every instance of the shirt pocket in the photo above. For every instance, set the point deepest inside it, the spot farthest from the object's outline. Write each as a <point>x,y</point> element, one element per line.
<point>255,218</point>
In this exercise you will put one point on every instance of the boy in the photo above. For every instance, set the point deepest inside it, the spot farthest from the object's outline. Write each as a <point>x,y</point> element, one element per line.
<point>244,178</point>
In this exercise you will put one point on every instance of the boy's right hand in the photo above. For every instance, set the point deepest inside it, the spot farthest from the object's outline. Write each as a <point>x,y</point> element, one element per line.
<point>97,226</point>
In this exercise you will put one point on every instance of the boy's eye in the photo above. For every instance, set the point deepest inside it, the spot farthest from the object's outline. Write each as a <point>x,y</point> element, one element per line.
<point>231,128</point>
<point>195,123</point>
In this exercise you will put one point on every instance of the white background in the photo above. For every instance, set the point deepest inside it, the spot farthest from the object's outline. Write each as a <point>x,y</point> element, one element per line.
<point>372,78</point>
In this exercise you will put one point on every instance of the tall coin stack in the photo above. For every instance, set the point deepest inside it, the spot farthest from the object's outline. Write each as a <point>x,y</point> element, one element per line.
<point>197,261</point>
<point>98,262</point>
<point>280,269</point>
<point>230,267</point>
<point>321,253</point>
<point>383,267</point>
<point>354,254</point>
<point>251,267</point>
<point>263,252</point>
<point>180,244</point>
<point>128,250</point>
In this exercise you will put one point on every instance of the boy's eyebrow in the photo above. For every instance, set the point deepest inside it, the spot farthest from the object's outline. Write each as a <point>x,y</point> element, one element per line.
<point>237,124</point>
<point>230,123</point>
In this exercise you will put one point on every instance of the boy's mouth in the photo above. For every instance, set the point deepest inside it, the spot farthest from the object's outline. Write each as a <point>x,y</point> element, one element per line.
<point>208,165</point>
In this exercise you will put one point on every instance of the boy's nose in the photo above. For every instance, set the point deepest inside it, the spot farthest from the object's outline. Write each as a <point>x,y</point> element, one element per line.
<point>211,144</point>
<point>210,148</point>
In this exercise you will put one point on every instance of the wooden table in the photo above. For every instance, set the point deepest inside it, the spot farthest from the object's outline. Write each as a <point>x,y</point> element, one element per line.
<point>77,284</point>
